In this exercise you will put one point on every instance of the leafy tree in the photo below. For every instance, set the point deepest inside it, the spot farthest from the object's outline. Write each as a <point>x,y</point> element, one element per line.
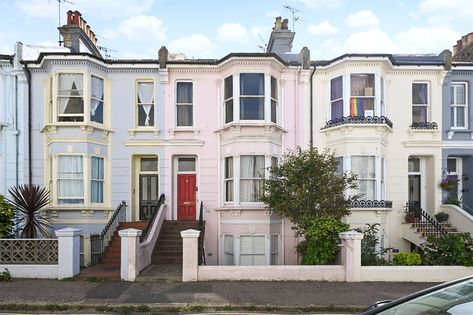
<point>307,184</point>
<point>308,188</point>
<point>6,218</point>
<point>448,250</point>
<point>28,201</point>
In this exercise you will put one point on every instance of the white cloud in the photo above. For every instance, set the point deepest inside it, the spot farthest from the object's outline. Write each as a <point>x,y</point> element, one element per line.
<point>329,4</point>
<point>142,28</point>
<point>109,34</point>
<point>428,39</point>
<point>371,41</point>
<point>196,45</point>
<point>323,28</point>
<point>363,18</point>
<point>103,9</point>
<point>232,32</point>
<point>273,14</point>
<point>448,10</point>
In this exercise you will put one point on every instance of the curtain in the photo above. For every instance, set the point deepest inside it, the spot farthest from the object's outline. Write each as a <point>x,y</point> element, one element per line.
<point>419,93</point>
<point>251,176</point>
<point>252,250</point>
<point>364,167</point>
<point>97,177</point>
<point>97,94</point>
<point>70,177</point>
<point>146,99</point>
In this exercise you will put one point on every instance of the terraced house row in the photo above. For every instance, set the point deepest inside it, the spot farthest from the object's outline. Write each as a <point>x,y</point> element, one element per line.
<point>202,132</point>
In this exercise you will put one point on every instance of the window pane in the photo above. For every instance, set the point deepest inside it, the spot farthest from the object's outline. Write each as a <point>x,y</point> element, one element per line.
<point>364,166</point>
<point>414,165</point>
<point>452,165</point>
<point>229,190</point>
<point>366,187</point>
<point>186,165</point>
<point>362,84</point>
<point>250,190</point>
<point>229,167</point>
<point>252,166</point>
<point>336,88</point>
<point>259,245</point>
<point>361,106</point>
<point>228,87</point>
<point>145,93</point>
<point>460,116</point>
<point>184,92</point>
<point>251,84</point>
<point>70,179</point>
<point>419,93</point>
<point>274,108</point>
<point>339,170</point>
<point>96,101</point>
<point>419,114</point>
<point>184,115</point>
<point>458,94</point>
<point>149,164</point>
<point>229,111</point>
<point>337,109</point>
<point>97,168</point>
<point>252,108</point>
<point>274,88</point>
<point>145,115</point>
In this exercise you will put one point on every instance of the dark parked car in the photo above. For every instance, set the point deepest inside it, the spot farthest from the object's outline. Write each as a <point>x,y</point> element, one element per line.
<point>450,298</point>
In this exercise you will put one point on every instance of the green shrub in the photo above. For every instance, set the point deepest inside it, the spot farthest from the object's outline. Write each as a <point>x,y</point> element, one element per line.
<point>372,252</point>
<point>441,216</point>
<point>7,215</point>
<point>5,276</point>
<point>407,259</point>
<point>321,241</point>
<point>449,250</point>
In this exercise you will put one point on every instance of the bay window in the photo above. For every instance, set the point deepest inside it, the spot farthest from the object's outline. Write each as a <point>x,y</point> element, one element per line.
<point>70,97</point>
<point>251,177</point>
<point>370,174</point>
<point>356,95</point>
<point>184,107</point>
<point>145,104</point>
<point>257,98</point>
<point>420,102</point>
<point>70,179</point>
<point>458,105</point>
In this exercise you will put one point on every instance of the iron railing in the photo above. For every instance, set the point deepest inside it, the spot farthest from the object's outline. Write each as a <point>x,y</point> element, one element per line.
<point>425,125</point>
<point>201,228</point>
<point>98,242</point>
<point>358,120</point>
<point>372,204</point>
<point>424,223</point>
<point>467,208</point>
<point>29,251</point>
<point>151,220</point>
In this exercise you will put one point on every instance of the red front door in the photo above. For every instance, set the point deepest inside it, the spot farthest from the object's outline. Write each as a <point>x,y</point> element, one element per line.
<point>186,196</point>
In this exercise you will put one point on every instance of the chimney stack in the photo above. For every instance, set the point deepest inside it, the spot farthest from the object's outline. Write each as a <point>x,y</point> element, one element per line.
<point>77,30</point>
<point>280,41</point>
<point>463,50</point>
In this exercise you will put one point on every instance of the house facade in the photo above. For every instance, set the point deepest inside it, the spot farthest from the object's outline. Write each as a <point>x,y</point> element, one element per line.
<point>381,115</point>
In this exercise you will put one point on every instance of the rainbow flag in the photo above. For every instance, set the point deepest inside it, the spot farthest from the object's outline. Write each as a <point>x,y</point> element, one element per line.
<point>356,106</point>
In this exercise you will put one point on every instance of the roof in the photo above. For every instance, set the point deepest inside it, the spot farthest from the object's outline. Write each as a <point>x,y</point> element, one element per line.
<point>398,60</point>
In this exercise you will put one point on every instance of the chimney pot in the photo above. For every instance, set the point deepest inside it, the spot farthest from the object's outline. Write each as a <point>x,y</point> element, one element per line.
<point>284,24</point>
<point>277,24</point>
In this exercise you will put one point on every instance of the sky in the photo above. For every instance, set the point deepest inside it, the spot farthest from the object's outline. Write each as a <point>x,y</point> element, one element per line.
<point>214,28</point>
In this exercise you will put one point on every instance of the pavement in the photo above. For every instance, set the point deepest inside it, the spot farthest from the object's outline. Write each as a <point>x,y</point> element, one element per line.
<point>76,296</point>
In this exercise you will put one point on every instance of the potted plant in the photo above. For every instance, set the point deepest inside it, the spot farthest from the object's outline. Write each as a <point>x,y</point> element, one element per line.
<point>449,183</point>
<point>441,216</point>
<point>453,201</point>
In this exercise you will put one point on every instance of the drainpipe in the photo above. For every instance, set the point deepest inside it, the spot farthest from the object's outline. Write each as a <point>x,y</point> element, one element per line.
<point>16,132</point>
<point>311,138</point>
<point>28,80</point>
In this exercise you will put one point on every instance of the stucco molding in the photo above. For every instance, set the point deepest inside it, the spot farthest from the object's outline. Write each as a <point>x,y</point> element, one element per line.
<point>157,143</point>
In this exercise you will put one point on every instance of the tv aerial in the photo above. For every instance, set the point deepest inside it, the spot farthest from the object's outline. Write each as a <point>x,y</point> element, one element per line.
<point>293,11</point>
<point>262,44</point>
<point>59,2</point>
<point>106,51</point>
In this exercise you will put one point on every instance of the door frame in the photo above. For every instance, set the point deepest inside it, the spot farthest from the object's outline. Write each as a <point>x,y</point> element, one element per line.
<point>135,182</point>
<point>175,172</point>
<point>421,173</point>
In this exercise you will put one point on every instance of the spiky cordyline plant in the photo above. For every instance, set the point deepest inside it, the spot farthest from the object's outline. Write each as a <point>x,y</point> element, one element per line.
<point>28,201</point>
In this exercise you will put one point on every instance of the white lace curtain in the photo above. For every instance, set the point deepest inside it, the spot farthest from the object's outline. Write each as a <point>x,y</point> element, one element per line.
<point>251,177</point>
<point>146,99</point>
<point>70,84</point>
<point>70,177</point>
<point>364,167</point>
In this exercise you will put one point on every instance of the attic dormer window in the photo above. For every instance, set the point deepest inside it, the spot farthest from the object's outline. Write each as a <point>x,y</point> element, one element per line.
<point>71,97</point>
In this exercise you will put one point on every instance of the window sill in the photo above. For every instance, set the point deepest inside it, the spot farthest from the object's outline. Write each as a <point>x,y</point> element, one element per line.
<point>371,204</point>
<point>350,121</point>
<point>173,131</point>
<point>268,126</point>
<point>425,126</point>
<point>452,132</point>
<point>85,128</point>
<point>133,132</point>
<point>253,206</point>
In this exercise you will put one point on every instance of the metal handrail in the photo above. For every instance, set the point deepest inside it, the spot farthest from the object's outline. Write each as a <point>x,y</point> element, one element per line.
<point>98,242</point>
<point>147,230</point>
<point>423,222</point>
<point>201,228</point>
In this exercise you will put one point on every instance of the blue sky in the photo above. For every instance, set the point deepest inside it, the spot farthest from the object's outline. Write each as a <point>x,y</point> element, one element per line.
<point>214,28</point>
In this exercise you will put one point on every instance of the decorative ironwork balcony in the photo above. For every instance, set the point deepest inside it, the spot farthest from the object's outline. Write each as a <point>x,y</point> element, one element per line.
<point>372,204</point>
<point>358,120</point>
<point>425,125</point>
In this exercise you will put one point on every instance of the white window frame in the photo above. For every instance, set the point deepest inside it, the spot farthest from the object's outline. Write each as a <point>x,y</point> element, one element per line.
<point>426,106</point>
<point>59,96</point>
<point>454,107</point>
<point>379,178</point>
<point>254,179</point>
<point>191,126</point>
<point>253,254</point>
<point>152,123</point>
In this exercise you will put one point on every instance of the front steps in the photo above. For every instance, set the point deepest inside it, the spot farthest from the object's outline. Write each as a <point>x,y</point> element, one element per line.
<point>168,249</point>
<point>413,234</point>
